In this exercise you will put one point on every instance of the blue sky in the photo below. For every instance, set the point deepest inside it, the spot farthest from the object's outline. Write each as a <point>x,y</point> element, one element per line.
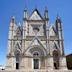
<point>10,8</point>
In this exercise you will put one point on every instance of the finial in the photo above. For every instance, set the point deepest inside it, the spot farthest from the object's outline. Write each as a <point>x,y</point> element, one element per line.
<point>19,24</point>
<point>35,6</point>
<point>46,13</point>
<point>58,19</point>
<point>25,7</point>
<point>13,19</point>
<point>46,9</point>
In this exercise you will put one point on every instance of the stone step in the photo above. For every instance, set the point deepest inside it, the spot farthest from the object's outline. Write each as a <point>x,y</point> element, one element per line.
<point>35,70</point>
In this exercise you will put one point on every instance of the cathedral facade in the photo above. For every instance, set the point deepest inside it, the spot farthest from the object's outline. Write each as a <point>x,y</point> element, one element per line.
<point>34,44</point>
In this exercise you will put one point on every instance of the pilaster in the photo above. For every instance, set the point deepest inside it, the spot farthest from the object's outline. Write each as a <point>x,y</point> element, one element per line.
<point>50,63</point>
<point>62,63</point>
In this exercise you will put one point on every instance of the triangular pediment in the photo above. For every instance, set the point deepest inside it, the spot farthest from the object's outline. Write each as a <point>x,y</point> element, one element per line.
<point>52,31</point>
<point>35,42</point>
<point>35,45</point>
<point>18,31</point>
<point>17,46</point>
<point>35,15</point>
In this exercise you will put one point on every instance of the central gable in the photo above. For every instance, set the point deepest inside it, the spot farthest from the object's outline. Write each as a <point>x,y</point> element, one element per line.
<point>35,15</point>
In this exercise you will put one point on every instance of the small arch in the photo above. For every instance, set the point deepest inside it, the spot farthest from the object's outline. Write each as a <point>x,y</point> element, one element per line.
<point>56,59</point>
<point>39,49</point>
<point>36,54</point>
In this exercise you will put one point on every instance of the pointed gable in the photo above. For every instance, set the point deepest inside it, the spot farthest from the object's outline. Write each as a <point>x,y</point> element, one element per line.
<point>36,41</point>
<point>52,31</point>
<point>17,47</point>
<point>18,31</point>
<point>36,45</point>
<point>35,15</point>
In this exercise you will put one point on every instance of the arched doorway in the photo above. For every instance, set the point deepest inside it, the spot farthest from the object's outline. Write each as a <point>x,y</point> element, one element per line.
<point>36,60</point>
<point>38,53</point>
<point>17,60</point>
<point>56,59</point>
<point>17,53</point>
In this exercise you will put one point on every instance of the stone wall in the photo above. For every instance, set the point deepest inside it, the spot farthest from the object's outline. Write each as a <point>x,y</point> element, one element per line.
<point>69,61</point>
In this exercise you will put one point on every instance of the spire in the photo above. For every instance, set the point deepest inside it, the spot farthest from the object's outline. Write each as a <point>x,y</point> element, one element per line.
<point>12,27</point>
<point>25,13</point>
<point>58,19</point>
<point>13,19</point>
<point>58,23</point>
<point>46,13</point>
<point>60,34</point>
<point>25,10</point>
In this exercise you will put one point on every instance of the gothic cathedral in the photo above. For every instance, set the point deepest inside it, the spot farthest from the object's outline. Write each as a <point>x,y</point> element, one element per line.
<point>34,45</point>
